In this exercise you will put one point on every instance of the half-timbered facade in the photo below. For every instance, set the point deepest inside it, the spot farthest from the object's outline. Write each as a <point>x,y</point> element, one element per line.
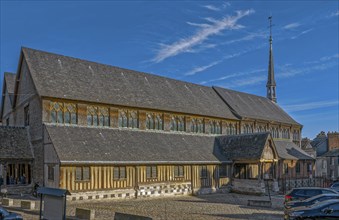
<point>104,131</point>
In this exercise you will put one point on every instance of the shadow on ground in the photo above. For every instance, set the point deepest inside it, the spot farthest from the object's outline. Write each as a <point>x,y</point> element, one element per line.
<point>253,216</point>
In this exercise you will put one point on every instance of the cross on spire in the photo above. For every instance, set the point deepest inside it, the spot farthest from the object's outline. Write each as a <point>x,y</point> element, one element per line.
<point>270,26</point>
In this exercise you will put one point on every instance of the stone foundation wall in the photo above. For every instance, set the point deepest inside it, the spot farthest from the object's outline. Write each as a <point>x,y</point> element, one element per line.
<point>202,191</point>
<point>164,189</point>
<point>99,195</point>
<point>16,189</point>
<point>248,186</point>
<point>151,190</point>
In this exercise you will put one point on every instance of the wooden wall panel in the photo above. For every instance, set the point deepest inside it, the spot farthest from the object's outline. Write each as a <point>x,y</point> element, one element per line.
<point>101,177</point>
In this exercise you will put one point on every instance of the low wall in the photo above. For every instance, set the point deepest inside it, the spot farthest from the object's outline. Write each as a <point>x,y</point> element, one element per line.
<point>99,195</point>
<point>248,186</point>
<point>164,189</point>
<point>17,189</point>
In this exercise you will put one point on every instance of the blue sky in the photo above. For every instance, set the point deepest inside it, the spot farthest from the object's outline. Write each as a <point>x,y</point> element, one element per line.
<point>222,43</point>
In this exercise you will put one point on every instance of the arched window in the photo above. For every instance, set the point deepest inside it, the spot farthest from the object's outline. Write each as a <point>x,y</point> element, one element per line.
<point>197,125</point>
<point>133,119</point>
<point>174,126</point>
<point>233,129</point>
<point>92,115</point>
<point>277,133</point>
<point>154,121</point>
<point>103,116</point>
<point>247,129</point>
<point>194,127</point>
<point>261,129</point>
<point>57,112</point>
<point>200,126</point>
<point>158,122</point>
<point>177,123</point>
<point>212,127</point>
<point>149,121</point>
<point>296,135</point>
<point>285,133</point>
<point>215,127</point>
<point>123,119</point>
<point>181,124</point>
<point>228,129</point>
<point>63,113</point>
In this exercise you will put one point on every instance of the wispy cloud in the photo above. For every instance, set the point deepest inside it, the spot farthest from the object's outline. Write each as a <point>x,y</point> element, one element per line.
<point>248,37</point>
<point>212,7</point>
<point>302,33</point>
<point>216,8</point>
<point>323,63</point>
<point>292,25</point>
<point>323,59</point>
<point>248,81</point>
<point>335,14</point>
<point>206,31</point>
<point>227,57</point>
<point>284,71</point>
<point>311,105</point>
<point>201,68</point>
<point>229,76</point>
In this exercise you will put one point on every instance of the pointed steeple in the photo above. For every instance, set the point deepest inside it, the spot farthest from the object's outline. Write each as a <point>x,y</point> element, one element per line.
<point>271,92</point>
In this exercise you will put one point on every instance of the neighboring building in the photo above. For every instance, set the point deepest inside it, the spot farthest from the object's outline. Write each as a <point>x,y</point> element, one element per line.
<point>103,131</point>
<point>327,147</point>
<point>16,158</point>
<point>308,148</point>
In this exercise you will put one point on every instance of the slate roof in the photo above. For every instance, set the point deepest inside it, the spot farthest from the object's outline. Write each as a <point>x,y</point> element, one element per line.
<point>251,106</point>
<point>242,147</point>
<point>106,145</point>
<point>332,153</point>
<point>320,144</point>
<point>10,81</point>
<point>71,78</point>
<point>288,150</point>
<point>14,143</point>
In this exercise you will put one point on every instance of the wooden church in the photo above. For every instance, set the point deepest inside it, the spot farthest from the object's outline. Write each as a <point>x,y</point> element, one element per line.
<point>101,131</point>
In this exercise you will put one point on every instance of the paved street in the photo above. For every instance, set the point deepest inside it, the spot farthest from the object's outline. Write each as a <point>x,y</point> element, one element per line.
<point>215,206</point>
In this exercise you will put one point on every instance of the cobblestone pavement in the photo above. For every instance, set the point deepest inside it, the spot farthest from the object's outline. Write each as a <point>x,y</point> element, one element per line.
<point>210,207</point>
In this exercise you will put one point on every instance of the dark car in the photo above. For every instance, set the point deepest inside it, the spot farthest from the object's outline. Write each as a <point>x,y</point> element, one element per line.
<point>310,201</point>
<point>328,209</point>
<point>6,215</point>
<point>335,186</point>
<point>307,192</point>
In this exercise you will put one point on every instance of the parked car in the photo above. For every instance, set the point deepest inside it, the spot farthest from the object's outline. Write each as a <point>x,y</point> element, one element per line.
<point>335,186</point>
<point>6,215</point>
<point>328,209</point>
<point>310,201</point>
<point>306,192</point>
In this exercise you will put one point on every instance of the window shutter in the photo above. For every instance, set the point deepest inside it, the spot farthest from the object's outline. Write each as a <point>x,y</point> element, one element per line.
<point>85,173</point>
<point>116,173</point>
<point>176,171</point>
<point>148,172</point>
<point>78,173</point>
<point>181,171</point>
<point>122,172</point>
<point>154,172</point>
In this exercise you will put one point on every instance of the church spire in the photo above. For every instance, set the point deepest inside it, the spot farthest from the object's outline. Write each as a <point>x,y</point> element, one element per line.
<point>271,93</point>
